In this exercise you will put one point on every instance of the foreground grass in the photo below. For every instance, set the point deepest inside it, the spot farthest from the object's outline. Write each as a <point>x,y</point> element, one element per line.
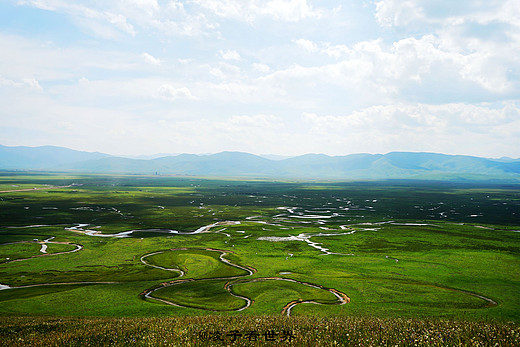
<point>252,331</point>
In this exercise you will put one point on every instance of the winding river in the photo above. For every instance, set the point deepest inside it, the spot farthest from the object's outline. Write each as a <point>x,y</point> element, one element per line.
<point>43,249</point>
<point>234,280</point>
<point>231,281</point>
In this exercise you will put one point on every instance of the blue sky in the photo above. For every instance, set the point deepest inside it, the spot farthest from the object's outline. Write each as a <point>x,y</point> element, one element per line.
<point>282,77</point>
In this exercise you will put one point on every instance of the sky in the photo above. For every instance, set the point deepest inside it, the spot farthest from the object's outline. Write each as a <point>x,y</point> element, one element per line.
<point>286,77</point>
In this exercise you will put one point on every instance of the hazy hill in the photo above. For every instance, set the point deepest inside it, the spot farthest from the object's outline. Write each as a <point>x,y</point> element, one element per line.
<point>220,164</point>
<point>44,157</point>
<point>310,166</point>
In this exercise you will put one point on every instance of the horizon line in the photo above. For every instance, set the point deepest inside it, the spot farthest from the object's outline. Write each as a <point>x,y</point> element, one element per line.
<point>263,155</point>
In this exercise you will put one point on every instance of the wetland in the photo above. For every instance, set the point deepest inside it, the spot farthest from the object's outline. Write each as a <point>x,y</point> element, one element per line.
<point>148,246</point>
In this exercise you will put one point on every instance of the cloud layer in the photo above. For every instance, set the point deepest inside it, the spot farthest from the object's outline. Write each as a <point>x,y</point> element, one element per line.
<point>278,76</point>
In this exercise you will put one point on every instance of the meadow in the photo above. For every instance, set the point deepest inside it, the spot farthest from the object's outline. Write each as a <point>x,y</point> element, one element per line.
<point>141,251</point>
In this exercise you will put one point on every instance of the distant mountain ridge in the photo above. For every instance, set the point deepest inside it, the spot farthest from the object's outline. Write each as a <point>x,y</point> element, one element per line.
<point>43,157</point>
<point>394,165</point>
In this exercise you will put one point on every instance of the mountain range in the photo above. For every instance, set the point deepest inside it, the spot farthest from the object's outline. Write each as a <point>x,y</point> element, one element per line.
<point>394,165</point>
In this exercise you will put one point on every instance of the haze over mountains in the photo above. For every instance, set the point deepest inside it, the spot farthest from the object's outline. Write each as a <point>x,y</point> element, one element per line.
<point>395,165</point>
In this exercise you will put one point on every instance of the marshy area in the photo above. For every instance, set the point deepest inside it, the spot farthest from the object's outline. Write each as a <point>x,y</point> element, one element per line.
<point>195,262</point>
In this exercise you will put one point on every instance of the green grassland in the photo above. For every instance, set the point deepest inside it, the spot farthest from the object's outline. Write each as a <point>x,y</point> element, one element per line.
<point>253,331</point>
<point>196,263</point>
<point>207,295</point>
<point>395,249</point>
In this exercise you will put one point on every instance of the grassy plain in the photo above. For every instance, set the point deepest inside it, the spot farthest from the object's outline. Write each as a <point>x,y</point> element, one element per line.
<point>410,251</point>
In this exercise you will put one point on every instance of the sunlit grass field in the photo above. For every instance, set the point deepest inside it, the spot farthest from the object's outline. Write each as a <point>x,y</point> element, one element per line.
<point>411,258</point>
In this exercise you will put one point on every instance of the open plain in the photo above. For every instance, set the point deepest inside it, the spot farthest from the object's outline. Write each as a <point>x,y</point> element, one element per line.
<point>89,250</point>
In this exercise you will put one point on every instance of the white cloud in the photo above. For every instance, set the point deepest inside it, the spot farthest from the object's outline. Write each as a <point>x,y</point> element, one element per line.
<point>250,10</point>
<point>124,94</point>
<point>32,84</point>
<point>409,116</point>
<point>465,26</point>
<point>101,21</point>
<point>230,55</point>
<point>150,59</point>
<point>169,92</point>
<point>119,21</point>
<point>44,61</point>
<point>41,4</point>
<point>487,28</point>
<point>398,12</point>
<point>26,83</point>
<point>242,132</point>
<point>335,51</point>
<point>225,71</point>
<point>249,125</point>
<point>290,10</point>
<point>403,13</point>
<point>109,19</point>
<point>263,68</point>
<point>148,6</point>
<point>307,45</point>
<point>483,130</point>
<point>413,70</point>
<point>243,93</point>
<point>409,69</point>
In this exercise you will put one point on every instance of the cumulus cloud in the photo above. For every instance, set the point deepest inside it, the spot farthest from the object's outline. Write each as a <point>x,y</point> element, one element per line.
<point>118,20</point>
<point>475,40</point>
<point>445,71</point>
<point>264,68</point>
<point>150,59</point>
<point>230,55</point>
<point>408,69</point>
<point>409,116</point>
<point>449,128</point>
<point>404,13</point>
<point>398,13</point>
<point>26,83</point>
<point>169,92</point>
<point>250,10</point>
<point>149,6</point>
<point>307,45</point>
<point>225,71</point>
<point>32,84</point>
